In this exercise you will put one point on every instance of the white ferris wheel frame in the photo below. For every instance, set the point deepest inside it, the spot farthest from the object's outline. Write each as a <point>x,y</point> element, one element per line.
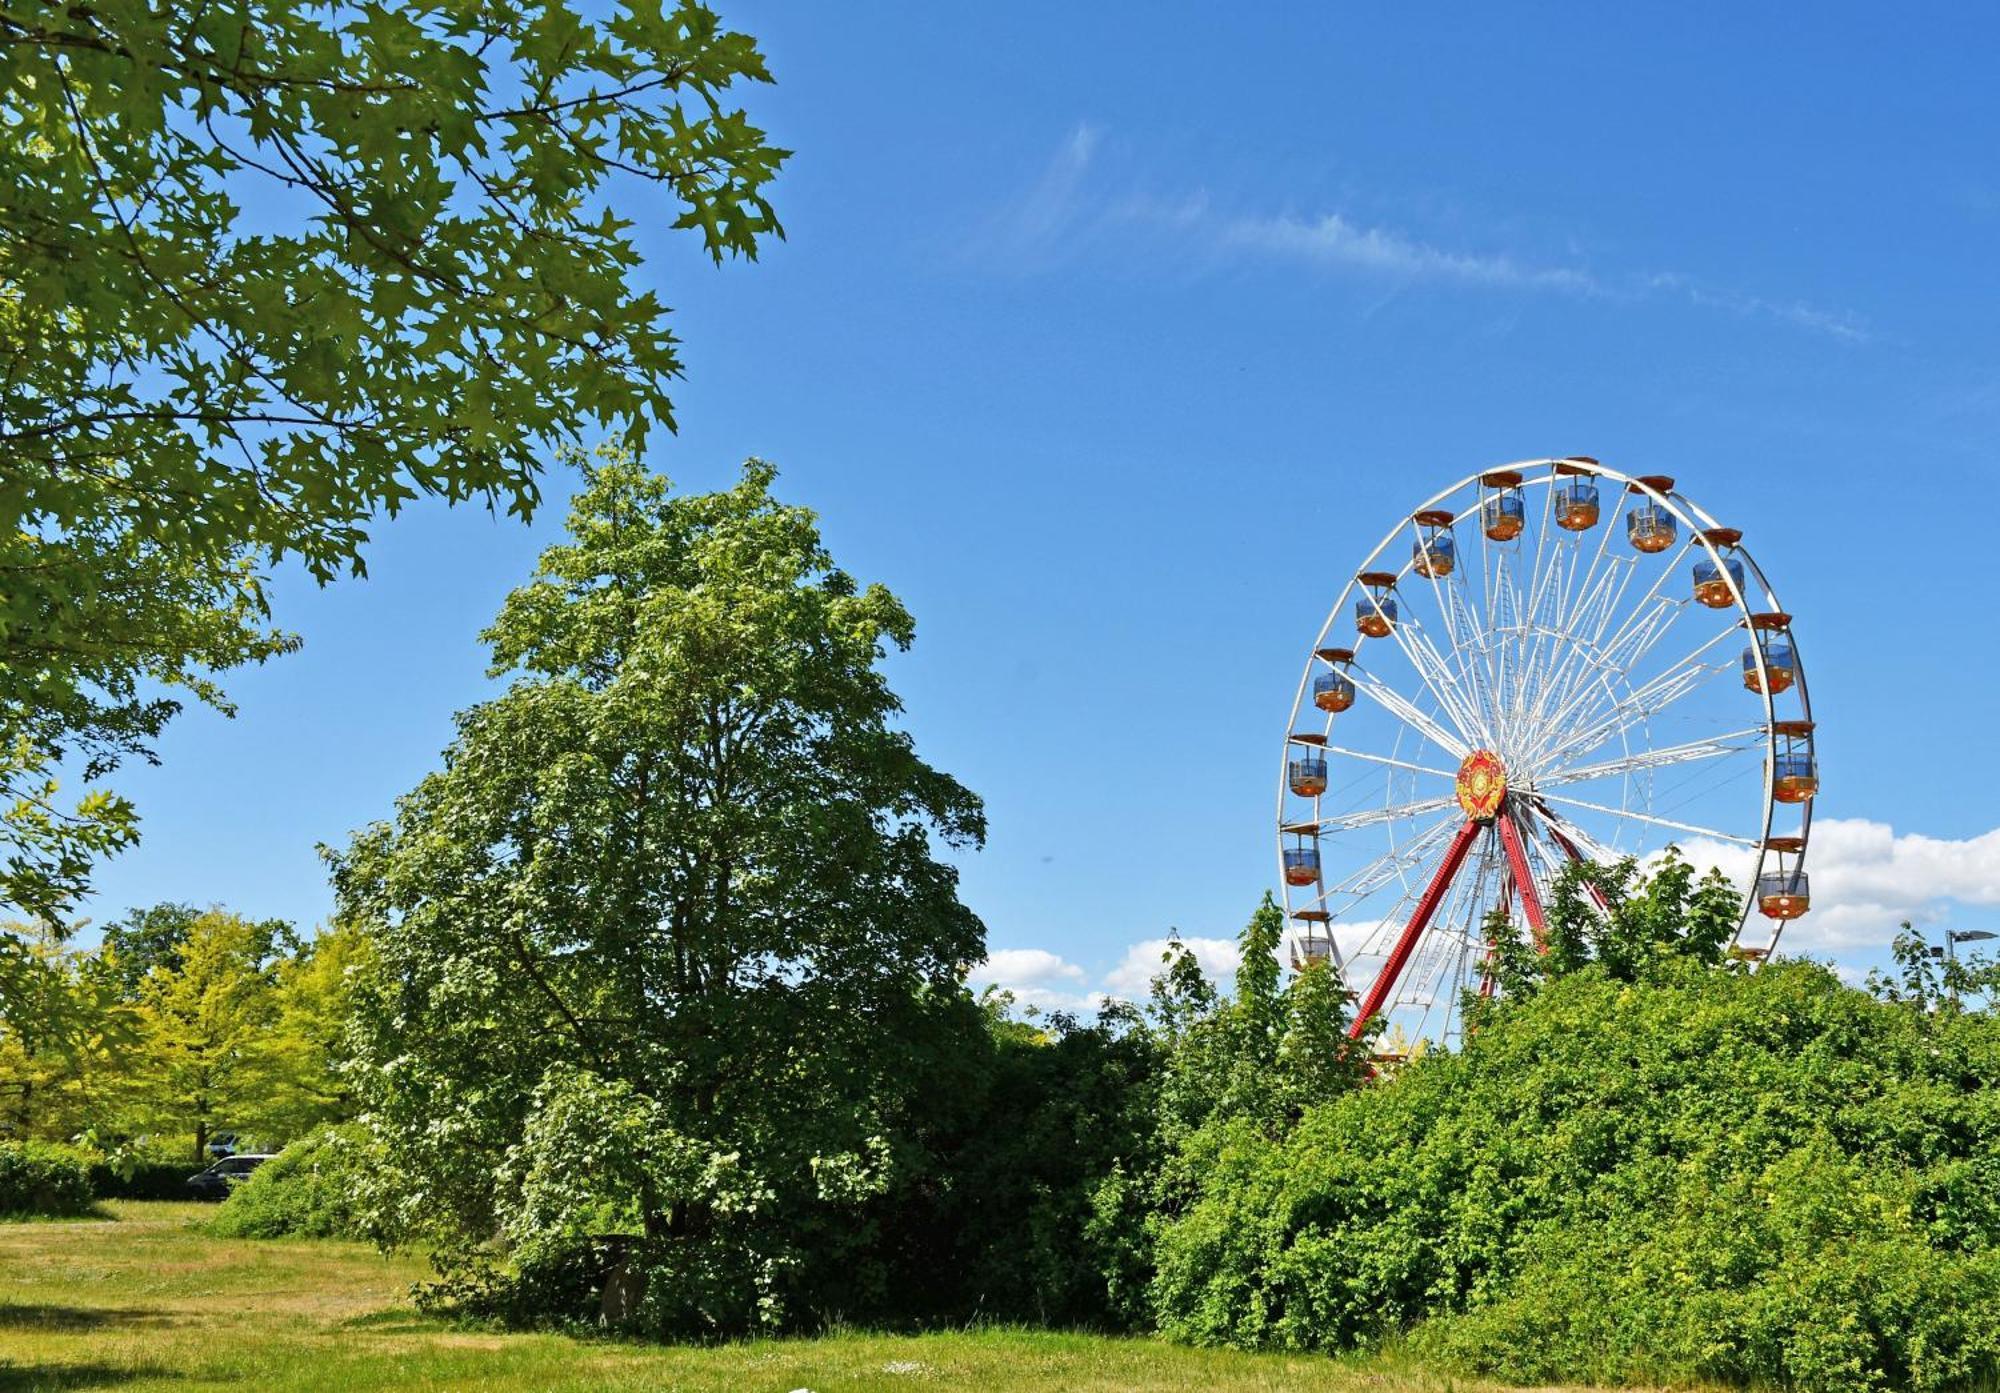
<point>1461,712</point>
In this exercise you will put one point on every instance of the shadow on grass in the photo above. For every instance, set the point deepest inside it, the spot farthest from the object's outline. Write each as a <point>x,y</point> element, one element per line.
<point>47,1378</point>
<point>395,1321</point>
<point>31,1317</point>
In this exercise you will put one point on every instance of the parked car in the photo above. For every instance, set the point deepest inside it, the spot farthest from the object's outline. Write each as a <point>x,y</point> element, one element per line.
<point>218,1180</point>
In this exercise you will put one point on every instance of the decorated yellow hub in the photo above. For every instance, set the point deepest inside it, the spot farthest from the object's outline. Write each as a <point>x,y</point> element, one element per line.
<point>1482,783</point>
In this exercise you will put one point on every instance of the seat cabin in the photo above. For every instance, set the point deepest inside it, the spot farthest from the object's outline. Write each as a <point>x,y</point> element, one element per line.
<point>1502,514</point>
<point>1301,858</point>
<point>1794,770</point>
<point>1375,611</point>
<point>1784,894</point>
<point>1333,690</point>
<point>1718,585</point>
<point>1784,891</point>
<point>1575,504</point>
<point>1650,526</point>
<point>1313,944</point>
<point>1305,770</point>
<point>1770,638</point>
<point>1434,552</point>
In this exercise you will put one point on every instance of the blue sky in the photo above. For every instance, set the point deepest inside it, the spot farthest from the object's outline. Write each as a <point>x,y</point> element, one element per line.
<point>1113,337</point>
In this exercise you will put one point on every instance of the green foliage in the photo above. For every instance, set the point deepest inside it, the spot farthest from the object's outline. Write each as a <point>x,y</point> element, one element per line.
<point>204,1021</point>
<point>63,1035</point>
<point>138,1178</point>
<point>1041,1175</point>
<point>433,285</point>
<point>1752,1177</point>
<point>233,1026</point>
<point>1937,977</point>
<point>324,1185</point>
<point>1645,923</point>
<point>41,1178</point>
<point>154,937</point>
<point>653,950</point>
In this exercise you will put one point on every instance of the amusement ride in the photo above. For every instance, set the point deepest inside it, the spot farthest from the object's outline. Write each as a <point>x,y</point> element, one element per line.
<point>1544,663</point>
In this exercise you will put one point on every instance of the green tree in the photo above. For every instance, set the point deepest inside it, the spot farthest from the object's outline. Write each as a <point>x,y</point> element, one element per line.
<point>303,1053</point>
<point>267,272</point>
<point>1631,924</point>
<point>202,1065</point>
<point>649,944</point>
<point>63,1038</point>
<point>154,936</point>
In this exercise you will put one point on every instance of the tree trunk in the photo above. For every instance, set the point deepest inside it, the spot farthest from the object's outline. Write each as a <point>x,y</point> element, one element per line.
<point>201,1140</point>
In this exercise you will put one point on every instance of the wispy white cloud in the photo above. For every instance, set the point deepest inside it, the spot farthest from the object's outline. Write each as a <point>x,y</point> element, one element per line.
<point>1332,240</point>
<point>1070,209</point>
<point>1032,230</point>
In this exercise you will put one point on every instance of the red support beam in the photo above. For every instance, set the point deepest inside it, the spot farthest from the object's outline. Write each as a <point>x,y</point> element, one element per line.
<point>1486,965</point>
<point>1570,849</point>
<point>1406,942</point>
<point>1524,878</point>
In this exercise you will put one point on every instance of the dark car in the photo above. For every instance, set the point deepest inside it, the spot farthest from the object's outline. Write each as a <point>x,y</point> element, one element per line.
<point>225,1175</point>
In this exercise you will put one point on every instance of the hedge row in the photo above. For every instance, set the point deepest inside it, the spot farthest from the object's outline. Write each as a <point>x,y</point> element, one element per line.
<point>149,1180</point>
<point>44,1178</point>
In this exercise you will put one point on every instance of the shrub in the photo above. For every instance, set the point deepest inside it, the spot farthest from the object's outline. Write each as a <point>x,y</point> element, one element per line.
<point>1765,1178</point>
<point>143,1180</point>
<point>42,1178</point>
<point>318,1187</point>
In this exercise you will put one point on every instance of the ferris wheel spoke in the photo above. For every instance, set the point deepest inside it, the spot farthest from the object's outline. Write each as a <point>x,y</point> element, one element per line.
<point>1436,676</point>
<point>1564,830</point>
<point>1711,748</point>
<point>1405,710</point>
<point>1592,723</point>
<point>1385,759</point>
<point>1467,638</point>
<point>1578,657</point>
<point>1649,818</point>
<point>1369,817</point>
<point>1359,884</point>
<point>1449,687</point>
<point>1647,601</point>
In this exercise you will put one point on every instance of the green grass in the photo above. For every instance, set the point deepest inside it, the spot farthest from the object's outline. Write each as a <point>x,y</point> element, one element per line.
<point>144,1300</point>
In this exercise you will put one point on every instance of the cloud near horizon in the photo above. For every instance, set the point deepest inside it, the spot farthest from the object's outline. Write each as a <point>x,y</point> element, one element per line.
<point>1867,880</point>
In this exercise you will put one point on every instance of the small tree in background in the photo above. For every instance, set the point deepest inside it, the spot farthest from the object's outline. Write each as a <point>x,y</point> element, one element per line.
<point>201,1064</point>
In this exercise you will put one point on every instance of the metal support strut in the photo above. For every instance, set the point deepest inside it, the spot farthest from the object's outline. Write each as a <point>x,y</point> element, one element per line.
<point>1406,942</point>
<point>1524,878</point>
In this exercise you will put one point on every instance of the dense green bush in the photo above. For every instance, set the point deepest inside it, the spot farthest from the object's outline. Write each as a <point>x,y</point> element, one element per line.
<point>43,1178</point>
<point>1760,1178</point>
<point>318,1187</point>
<point>143,1180</point>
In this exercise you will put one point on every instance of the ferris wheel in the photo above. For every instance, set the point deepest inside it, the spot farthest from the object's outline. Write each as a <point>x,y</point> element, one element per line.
<point>1545,663</point>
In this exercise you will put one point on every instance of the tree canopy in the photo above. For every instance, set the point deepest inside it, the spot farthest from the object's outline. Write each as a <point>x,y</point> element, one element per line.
<point>267,271</point>
<point>649,943</point>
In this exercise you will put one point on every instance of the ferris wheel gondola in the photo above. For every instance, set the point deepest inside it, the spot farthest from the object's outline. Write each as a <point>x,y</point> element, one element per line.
<point>1535,667</point>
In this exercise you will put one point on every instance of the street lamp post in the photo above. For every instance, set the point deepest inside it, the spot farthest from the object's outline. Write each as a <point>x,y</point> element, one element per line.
<point>1954,937</point>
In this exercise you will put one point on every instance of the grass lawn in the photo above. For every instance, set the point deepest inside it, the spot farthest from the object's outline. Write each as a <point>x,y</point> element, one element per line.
<point>144,1301</point>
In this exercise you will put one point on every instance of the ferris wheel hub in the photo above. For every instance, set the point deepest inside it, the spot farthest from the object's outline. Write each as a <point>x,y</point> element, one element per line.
<point>1482,785</point>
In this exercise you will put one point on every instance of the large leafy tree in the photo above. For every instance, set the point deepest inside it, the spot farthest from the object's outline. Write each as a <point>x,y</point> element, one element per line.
<point>268,270</point>
<point>648,943</point>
